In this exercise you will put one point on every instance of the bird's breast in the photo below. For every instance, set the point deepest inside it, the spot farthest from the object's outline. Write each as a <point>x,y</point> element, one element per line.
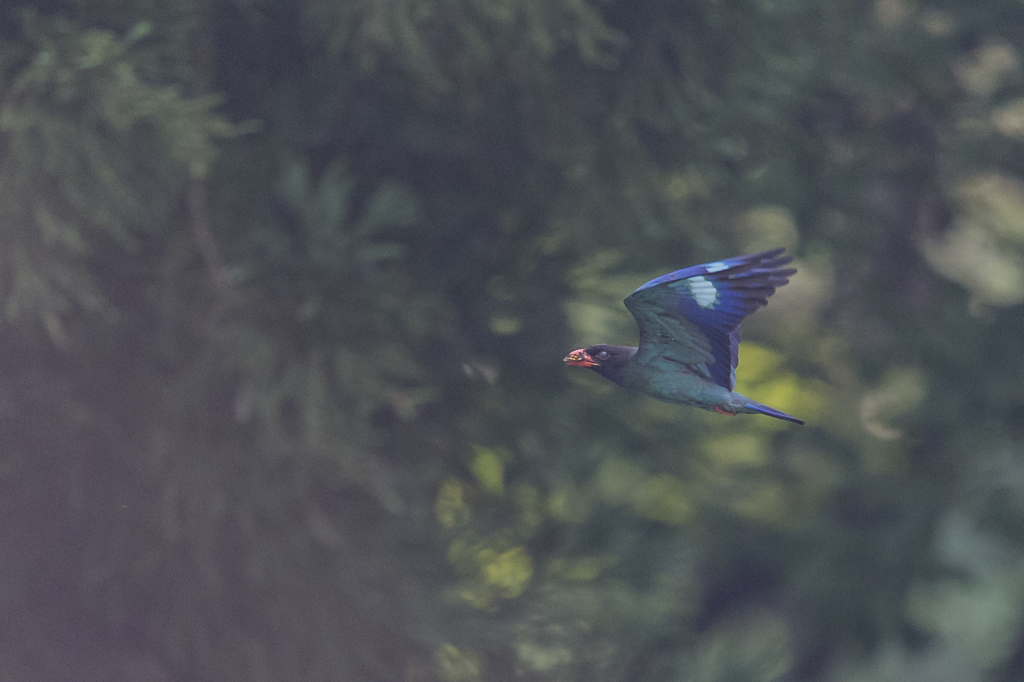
<point>672,382</point>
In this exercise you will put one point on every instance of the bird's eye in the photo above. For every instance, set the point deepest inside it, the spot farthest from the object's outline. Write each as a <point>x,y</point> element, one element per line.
<point>603,355</point>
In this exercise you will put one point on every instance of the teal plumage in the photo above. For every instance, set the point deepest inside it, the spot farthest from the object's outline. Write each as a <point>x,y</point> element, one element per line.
<point>689,322</point>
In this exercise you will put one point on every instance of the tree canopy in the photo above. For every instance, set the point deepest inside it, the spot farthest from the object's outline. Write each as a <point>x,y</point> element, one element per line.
<point>286,287</point>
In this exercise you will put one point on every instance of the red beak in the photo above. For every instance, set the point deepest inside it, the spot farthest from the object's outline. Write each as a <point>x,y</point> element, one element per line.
<point>579,358</point>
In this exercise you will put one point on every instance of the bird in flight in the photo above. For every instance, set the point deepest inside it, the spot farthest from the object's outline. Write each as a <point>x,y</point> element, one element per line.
<point>689,324</point>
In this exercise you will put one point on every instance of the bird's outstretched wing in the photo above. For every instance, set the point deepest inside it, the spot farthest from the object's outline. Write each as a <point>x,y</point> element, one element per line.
<point>692,316</point>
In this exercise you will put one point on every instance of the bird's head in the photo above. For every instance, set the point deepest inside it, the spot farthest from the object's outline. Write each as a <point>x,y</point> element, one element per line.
<point>608,361</point>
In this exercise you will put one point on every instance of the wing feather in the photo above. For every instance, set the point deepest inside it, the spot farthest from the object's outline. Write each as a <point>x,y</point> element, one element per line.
<point>692,316</point>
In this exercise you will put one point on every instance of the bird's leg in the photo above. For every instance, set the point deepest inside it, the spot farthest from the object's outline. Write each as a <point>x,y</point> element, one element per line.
<point>719,410</point>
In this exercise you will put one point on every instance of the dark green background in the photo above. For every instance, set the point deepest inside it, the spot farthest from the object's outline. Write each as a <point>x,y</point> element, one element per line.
<point>286,285</point>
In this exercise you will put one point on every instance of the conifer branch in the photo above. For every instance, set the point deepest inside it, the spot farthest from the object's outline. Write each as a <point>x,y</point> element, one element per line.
<point>197,205</point>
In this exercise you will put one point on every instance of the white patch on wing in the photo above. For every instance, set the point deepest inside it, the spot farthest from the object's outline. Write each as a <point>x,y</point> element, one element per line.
<point>703,291</point>
<point>716,267</point>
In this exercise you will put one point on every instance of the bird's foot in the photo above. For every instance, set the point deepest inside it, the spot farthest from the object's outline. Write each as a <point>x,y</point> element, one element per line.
<point>719,410</point>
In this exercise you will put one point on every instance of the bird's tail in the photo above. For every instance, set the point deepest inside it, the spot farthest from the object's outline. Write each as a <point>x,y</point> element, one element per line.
<point>771,412</point>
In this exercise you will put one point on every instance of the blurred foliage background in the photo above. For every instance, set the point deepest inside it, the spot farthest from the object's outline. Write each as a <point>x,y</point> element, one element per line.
<point>285,288</point>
